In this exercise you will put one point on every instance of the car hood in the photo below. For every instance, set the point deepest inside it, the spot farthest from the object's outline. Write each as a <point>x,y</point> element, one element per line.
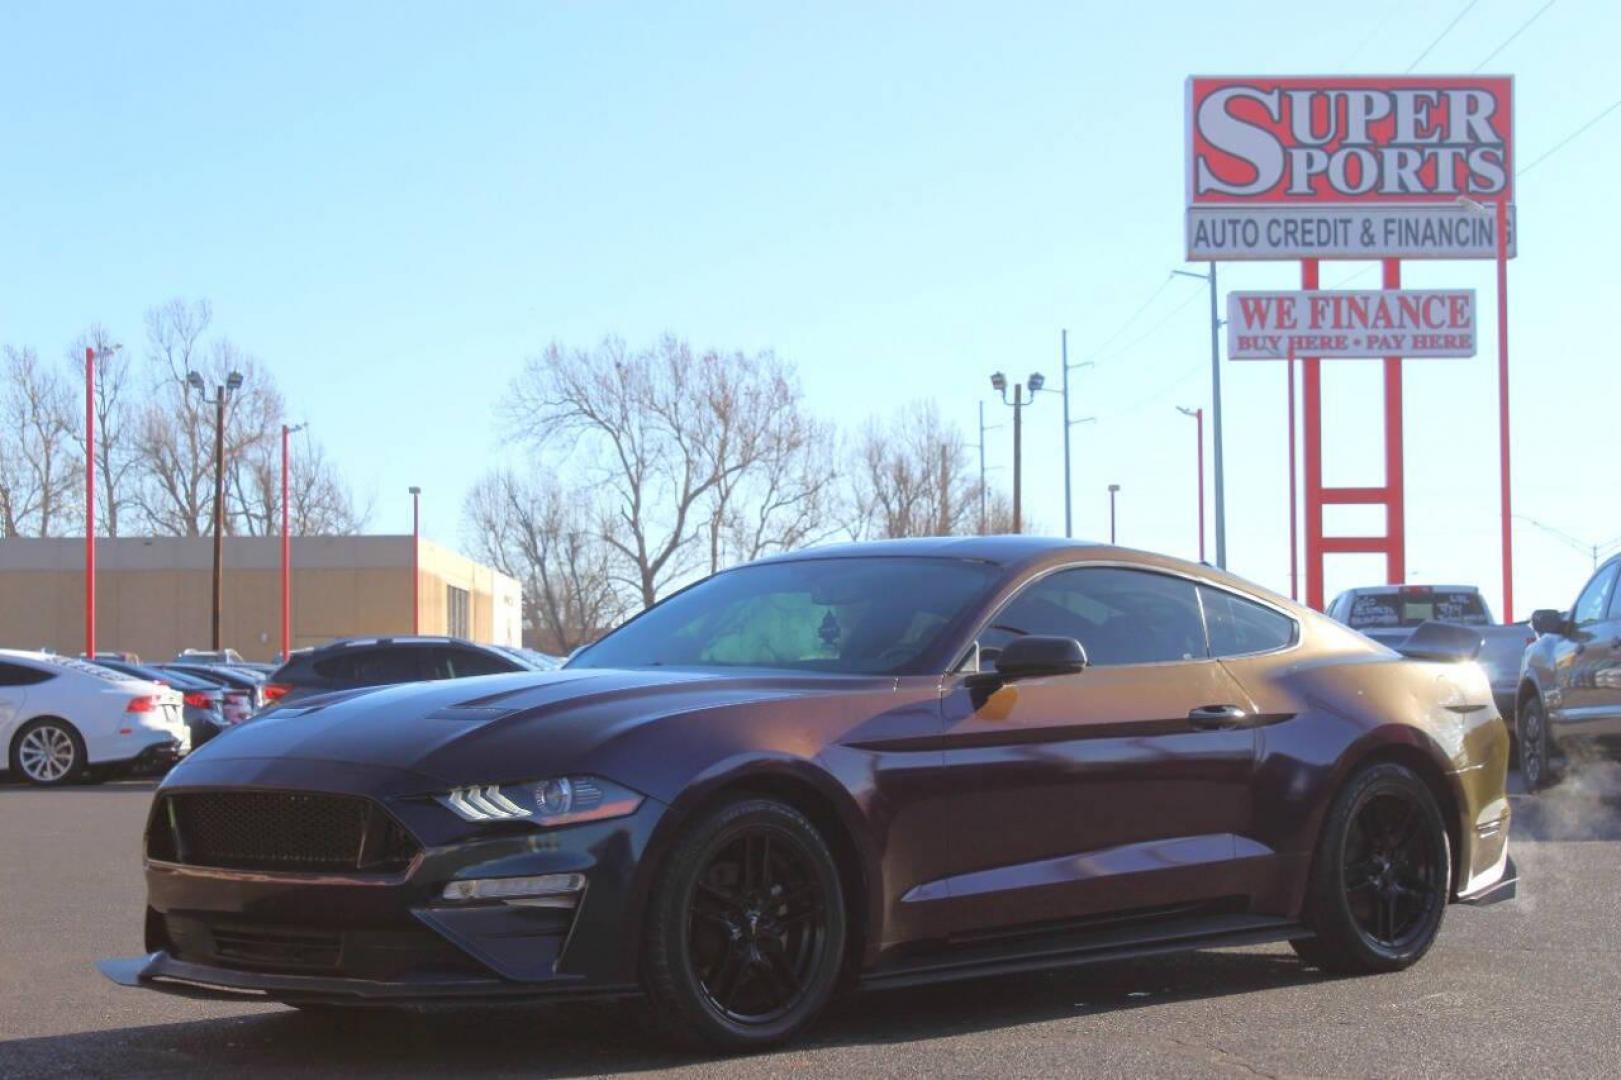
<point>491,729</point>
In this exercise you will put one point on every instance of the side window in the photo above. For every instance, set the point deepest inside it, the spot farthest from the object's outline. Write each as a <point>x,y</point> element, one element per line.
<point>377,667</point>
<point>1238,626</point>
<point>18,675</point>
<point>1615,597</point>
<point>1118,616</point>
<point>465,663</point>
<point>1591,605</point>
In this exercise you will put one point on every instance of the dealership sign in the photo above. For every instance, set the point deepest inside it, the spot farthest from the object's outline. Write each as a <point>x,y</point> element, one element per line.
<point>1349,324</point>
<point>1390,167</point>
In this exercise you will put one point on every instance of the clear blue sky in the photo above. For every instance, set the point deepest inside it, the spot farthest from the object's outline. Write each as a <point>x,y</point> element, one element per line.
<point>392,204</point>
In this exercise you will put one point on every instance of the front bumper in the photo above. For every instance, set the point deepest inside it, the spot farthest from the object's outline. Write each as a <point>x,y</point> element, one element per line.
<point>354,939</point>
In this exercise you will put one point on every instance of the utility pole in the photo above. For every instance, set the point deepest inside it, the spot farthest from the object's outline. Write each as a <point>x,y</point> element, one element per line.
<point>1063,347</point>
<point>222,394</point>
<point>983,523</point>
<point>1114,489</point>
<point>416,559</point>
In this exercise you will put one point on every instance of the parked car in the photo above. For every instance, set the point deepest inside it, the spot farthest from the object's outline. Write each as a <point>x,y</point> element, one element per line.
<point>203,701</point>
<point>1390,613</point>
<point>873,764</point>
<point>371,661</point>
<point>244,691</point>
<point>63,719</point>
<point>208,656</point>
<point>1570,688</point>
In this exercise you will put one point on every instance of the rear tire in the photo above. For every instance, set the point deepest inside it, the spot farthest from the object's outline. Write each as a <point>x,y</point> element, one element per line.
<point>1380,878</point>
<point>48,753</point>
<point>746,929</point>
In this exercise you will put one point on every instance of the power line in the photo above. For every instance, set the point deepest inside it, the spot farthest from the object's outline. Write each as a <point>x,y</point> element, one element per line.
<point>1510,39</point>
<point>1568,139</point>
<point>1456,19</point>
<point>1133,317</point>
<point>1152,330</point>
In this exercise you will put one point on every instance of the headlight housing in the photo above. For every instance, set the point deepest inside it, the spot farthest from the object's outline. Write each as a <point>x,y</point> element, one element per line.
<point>559,800</point>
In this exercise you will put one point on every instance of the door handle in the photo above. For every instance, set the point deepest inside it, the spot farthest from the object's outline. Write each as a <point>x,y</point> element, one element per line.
<point>1217,717</point>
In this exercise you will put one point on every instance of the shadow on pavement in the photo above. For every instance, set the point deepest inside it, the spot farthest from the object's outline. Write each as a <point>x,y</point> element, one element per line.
<point>570,1040</point>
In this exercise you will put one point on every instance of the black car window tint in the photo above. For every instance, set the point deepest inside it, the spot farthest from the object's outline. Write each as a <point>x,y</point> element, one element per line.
<point>1118,616</point>
<point>1591,605</point>
<point>1615,600</point>
<point>21,675</point>
<point>340,668</point>
<point>463,663</point>
<point>1238,626</point>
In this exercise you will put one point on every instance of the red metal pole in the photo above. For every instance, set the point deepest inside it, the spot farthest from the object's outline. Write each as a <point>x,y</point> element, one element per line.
<point>1502,408</point>
<point>1395,485</point>
<point>286,557</point>
<point>89,501</point>
<point>1198,420</point>
<point>1294,498</point>
<point>416,561</point>
<point>1311,389</point>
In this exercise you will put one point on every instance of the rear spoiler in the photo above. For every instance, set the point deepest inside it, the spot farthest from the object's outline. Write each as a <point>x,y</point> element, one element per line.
<point>1447,642</point>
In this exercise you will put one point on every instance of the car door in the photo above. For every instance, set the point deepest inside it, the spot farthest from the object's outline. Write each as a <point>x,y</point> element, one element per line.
<point>1117,788</point>
<point>1586,655</point>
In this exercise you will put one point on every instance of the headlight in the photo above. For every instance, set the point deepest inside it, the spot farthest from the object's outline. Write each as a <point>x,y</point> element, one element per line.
<point>562,800</point>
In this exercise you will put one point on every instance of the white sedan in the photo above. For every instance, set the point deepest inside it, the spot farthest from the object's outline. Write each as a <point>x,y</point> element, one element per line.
<point>61,719</point>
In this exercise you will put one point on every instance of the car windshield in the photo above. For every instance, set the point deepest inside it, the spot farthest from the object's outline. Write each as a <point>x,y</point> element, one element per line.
<point>1370,611</point>
<point>849,616</point>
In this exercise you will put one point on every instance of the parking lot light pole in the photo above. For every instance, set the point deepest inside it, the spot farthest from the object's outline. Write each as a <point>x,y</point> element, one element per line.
<point>984,517</point>
<point>1215,412</point>
<point>1113,490</point>
<point>222,394</point>
<point>286,549</point>
<point>416,559</point>
<point>91,355</point>
<point>1198,420</point>
<point>1018,404</point>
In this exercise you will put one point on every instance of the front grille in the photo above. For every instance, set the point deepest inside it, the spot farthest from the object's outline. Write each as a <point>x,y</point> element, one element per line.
<point>308,951</point>
<point>386,951</point>
<point>274,830</point>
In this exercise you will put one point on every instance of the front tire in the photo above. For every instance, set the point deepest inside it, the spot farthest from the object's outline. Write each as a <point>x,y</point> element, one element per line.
<point>1531,738</point>
<point>48,753</point>
<point>1380,878</point>
<point>746,929</point>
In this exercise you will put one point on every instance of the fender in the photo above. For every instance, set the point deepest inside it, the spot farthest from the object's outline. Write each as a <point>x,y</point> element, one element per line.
<point>762,768</point>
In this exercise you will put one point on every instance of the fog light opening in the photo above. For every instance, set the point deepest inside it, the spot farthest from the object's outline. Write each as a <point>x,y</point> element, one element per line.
<point>546,890</point>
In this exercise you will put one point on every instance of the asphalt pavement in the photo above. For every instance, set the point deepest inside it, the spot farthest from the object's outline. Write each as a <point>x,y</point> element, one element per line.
<point>1531,987</point>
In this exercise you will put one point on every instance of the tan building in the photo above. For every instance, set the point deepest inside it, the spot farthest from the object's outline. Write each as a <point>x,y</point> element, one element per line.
<point>153,593</point>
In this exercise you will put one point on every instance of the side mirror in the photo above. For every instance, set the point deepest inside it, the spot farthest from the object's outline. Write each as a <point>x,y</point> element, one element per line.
<point>1548,621</point>
<point>1037,655</point>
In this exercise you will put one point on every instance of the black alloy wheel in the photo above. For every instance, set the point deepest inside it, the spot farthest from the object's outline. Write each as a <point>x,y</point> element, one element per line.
<point>1531,739</point>
<point>748,928</point>
<point>1381,876</point>
<point>1392,867</point>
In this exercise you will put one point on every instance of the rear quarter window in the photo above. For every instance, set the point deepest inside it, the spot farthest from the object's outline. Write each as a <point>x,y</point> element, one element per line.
<point>1238,626</point>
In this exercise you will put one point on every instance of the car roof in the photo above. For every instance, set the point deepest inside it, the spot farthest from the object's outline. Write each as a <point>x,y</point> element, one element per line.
<point>394,639</point>
<point>1002,550</point>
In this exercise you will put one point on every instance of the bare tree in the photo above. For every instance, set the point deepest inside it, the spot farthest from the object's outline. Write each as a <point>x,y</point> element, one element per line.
<point>911,477</point>
<point>546,538</point>
<point>673,438</point>
<point>40,467</point>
